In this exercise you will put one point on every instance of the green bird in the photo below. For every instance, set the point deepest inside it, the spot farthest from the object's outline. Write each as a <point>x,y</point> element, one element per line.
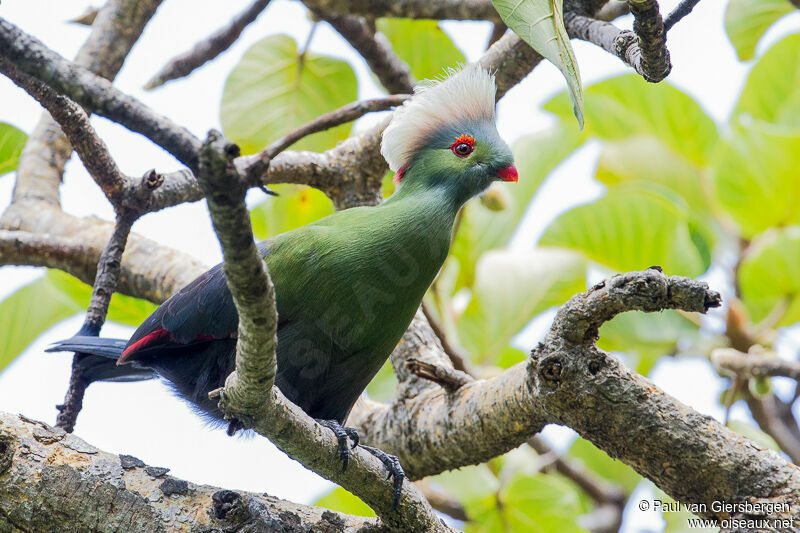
<point>346,286</point>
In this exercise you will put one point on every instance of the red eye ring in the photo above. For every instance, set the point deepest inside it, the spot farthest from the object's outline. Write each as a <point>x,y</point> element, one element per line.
<point>463,146</point>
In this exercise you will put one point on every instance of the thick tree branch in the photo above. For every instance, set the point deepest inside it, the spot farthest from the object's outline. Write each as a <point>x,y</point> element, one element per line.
<point>420,9</point>
<point>54,481</point>
<point>209,48</point>
<point>249,397</point>
<point>569,381</point>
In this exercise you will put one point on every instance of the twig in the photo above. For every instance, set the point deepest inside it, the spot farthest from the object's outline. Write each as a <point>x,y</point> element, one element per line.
<point>734,362</point>
<point>104,286</point>
<point>441,501</point>
<point>680,11</point>
<point>498,30</point>
<point>347,113</point>
<point>457,356</point>
<point>373,46</point>
<point>599,490</point>
<point>447,377</point>
<point>511,59</point>
<point>207,49</point>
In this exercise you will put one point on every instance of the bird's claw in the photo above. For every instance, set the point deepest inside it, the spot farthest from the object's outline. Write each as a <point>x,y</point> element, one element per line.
<point>395,469</point>
<point>342,434</point>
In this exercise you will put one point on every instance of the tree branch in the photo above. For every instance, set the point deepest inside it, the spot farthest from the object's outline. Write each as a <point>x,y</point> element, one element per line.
<point>94,93</point>
<point>680,11</point>
<point>373,46</point>
<point>53,481</point>
<point>246,274</point>
<point>209,48</point>
<point>116,28</point>
<point>753,365</point>
<point>643,49</point>
<point>420,9</point>
<point>568,380</point>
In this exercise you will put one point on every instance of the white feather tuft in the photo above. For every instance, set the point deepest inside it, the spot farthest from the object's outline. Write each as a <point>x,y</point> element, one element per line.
<point>463,95</point>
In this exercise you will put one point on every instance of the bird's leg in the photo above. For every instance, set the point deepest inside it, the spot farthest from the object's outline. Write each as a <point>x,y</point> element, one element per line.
<point>341,433</point>
<point>392,464</point>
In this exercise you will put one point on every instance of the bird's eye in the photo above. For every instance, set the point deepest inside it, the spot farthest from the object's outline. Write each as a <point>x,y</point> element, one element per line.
<point>463,146</point>
<point>462,149</point>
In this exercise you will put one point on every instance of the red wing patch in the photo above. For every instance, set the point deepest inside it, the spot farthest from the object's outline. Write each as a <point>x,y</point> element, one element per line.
<point>147,340</point>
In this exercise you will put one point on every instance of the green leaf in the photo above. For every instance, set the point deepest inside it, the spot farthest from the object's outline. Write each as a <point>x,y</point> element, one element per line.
<point>29,312</point>
<point>756,179</point>
<point>604,466</point>
<point>634,226</point>
<point>12,141</point>
<point>534,504</point>
<point>540,23</point>
<point>772,92</point>
<point>747,20</point>
<point>468,484</point>
<point>628,106</point>
<point>646,335</point>
<point>125,310</point>
<point>768,275</point>
<point>423,45</point>
<point>481,229</point>
<point>645,158</point>
<point>296,206</point>
<point>510,289</point>
<point>344,502</point>
<point>272,91</point>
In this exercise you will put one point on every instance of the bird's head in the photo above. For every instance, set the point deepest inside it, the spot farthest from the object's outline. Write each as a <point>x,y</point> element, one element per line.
<point>445,135</point>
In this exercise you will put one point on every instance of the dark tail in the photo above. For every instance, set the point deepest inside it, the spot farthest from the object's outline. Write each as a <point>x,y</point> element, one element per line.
<point>97,356</point>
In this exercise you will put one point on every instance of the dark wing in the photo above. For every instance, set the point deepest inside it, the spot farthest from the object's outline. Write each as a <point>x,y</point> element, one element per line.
<point>201,311</point>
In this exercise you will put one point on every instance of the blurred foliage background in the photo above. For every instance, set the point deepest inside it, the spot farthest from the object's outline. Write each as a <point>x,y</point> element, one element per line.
<point>693,196</point>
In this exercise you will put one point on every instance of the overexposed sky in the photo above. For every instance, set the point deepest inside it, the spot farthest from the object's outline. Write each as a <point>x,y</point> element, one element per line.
<point>144,419</point>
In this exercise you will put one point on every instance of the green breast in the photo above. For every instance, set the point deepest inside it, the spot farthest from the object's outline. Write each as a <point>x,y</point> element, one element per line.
<point>360,274</point>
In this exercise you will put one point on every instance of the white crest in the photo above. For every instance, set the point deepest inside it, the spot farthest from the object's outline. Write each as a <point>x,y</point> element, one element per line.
<point>466,94</point>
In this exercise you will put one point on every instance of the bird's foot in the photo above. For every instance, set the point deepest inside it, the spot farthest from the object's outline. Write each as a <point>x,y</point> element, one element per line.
<point>342,434</point>
<point>392,464</point>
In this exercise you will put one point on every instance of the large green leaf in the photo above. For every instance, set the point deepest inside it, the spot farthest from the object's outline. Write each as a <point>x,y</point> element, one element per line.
<point>273,90</point>
<point>645,335</point>
<point>29,312</point>
<point>756,177</point>
<point>645,158</point>
<point>510,289</point>
<point>628,106</point>
<point>541,503</point>
<point>604,466</point>
<point>296,206</point>
<point>122,309</point>
<point>344,502</point>
<point>747,20</point>
<point>480,228</point>
<point>772,92</point>
<point>768,275</point>
<point>423,45</point>
<point>12,140</point>
<point>634,226</point>
<point>540,23</point>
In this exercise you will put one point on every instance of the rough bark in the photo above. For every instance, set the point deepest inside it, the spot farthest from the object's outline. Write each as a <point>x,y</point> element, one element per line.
<point>53,481</point>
